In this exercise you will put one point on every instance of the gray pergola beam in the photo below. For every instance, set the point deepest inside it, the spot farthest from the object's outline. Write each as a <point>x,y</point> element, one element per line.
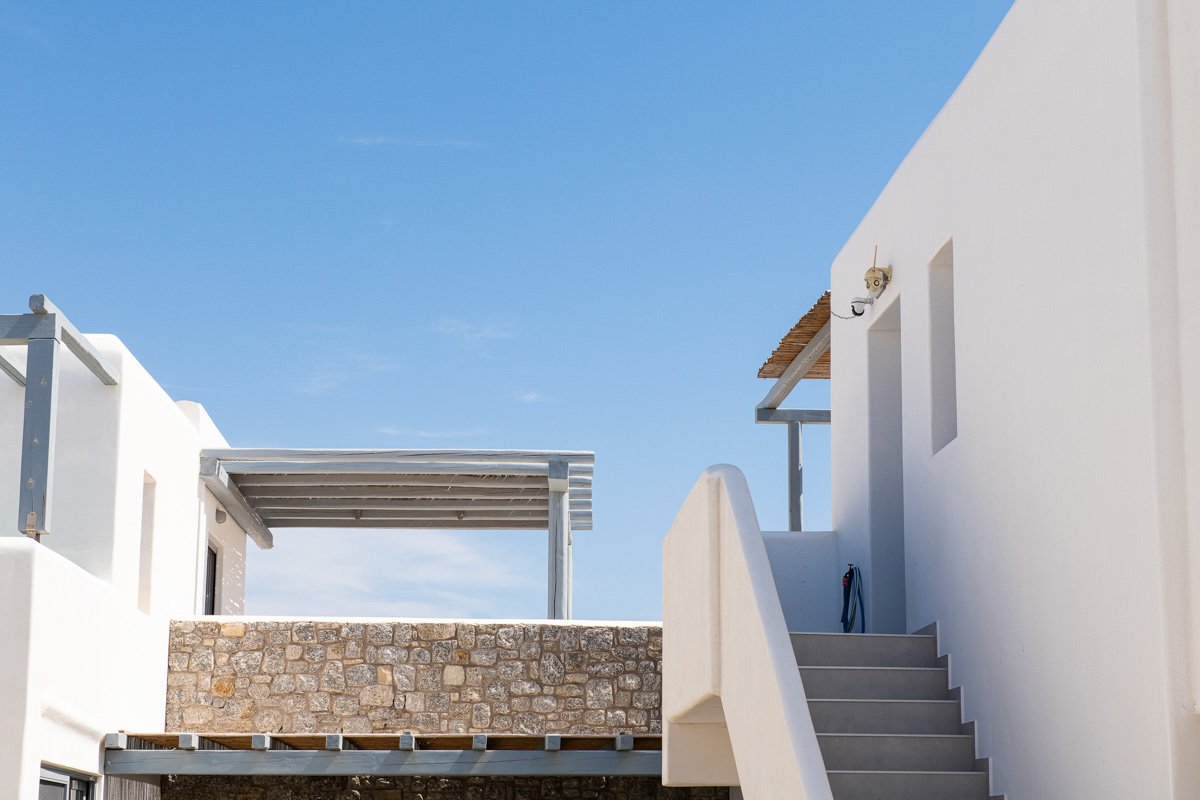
<point>541,457</point>
<point>12,370</point>
<point>424,524</point>
<point>783,416</point>
<point>218,482</point>
<point>281,477</point>
<point>391,468</point>
<point>265,504</point>
<point>18,329</point>
<point>75,341</point>
<point>643,763</point>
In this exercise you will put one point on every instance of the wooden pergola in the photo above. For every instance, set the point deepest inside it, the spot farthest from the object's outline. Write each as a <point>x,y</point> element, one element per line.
<point>803,352</point>
<point>426,489</point>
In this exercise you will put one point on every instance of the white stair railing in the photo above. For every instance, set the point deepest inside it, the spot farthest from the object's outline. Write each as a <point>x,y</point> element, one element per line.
<point>734,708</point>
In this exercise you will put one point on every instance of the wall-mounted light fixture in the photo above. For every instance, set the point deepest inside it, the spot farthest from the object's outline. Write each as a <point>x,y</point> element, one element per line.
<point>221,516</point>
<point>876,279</point>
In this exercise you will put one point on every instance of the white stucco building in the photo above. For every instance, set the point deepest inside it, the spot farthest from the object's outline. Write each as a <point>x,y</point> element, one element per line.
<point>1015,456</point>
<point>135,540</point>
<point>1016,424</point>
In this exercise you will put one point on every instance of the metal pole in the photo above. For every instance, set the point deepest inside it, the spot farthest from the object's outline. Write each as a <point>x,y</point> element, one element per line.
<point>795,479</point>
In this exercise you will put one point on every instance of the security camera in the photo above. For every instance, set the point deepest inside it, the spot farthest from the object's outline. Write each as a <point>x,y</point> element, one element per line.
<point>858,305</point>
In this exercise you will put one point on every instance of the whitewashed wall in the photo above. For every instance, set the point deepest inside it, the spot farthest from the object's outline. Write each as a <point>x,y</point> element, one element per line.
<point>85,643</point>
<point>1050,538</point>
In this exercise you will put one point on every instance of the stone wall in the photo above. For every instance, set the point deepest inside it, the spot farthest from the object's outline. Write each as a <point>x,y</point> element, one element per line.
<point>180,787</point>
<point>273,676</point>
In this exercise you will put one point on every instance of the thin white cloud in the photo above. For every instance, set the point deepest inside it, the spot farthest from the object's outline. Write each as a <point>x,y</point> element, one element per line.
<point>409,143</point>
<point>421,433</point>
<point>392,574</point>
<point>532,398</point>
<point>470,332</point>
<point>339,367</point>
<point>28,32</point>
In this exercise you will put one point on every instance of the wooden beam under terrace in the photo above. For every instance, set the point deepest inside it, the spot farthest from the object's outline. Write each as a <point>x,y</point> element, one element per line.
<point>133,754</point>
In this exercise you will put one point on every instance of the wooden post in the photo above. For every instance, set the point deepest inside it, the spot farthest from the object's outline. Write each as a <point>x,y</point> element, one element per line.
<point>558,578</point>
<point>37,438</point>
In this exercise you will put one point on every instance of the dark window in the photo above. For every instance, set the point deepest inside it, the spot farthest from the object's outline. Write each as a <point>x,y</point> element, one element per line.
<point>56,785</point>
<point>210,582</point>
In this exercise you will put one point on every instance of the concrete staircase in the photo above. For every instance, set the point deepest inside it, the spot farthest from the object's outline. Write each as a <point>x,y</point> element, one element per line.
<point>889,726</point>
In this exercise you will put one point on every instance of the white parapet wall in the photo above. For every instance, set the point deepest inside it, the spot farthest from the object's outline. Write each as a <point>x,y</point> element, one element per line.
<point>734,709</point>
<point>1014,444</point>
<point>79,661</point>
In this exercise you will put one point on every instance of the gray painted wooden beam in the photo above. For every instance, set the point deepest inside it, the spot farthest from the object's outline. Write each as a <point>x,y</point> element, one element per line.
<point>391,468</point>
<point>17,329</point>
<point>227,494</point>
<point>470,505</point>
<point>76,342</point>
<point>404,492</point>
<point>647,763</point>
<point>425,524</point>
<point>447,481</point>
<point>355,515</point>
<point>397,456</point>
<point>12,370</point>
<point>795,371</point>
<point>37,437</point>
<point>806,416</point>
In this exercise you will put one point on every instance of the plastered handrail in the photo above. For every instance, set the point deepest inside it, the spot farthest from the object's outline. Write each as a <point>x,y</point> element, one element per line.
<point>734,708</point>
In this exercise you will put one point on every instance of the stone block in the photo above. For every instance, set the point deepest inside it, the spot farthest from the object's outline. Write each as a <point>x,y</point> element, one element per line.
<point>378,695</point>
<point>233,629</point>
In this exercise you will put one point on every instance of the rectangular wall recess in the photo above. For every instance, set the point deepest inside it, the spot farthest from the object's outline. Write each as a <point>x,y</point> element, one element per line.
<point>146,566</point>
<point>943,369</point>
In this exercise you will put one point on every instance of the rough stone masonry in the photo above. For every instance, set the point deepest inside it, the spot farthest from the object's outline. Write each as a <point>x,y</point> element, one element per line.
<point>274,676</point>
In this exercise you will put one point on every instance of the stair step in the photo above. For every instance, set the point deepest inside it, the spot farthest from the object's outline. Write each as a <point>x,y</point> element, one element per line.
<point>886,716</point>
<point>872,751</point>
<point>875,683</point>
<point>864,650</point>
<point>893,785</point>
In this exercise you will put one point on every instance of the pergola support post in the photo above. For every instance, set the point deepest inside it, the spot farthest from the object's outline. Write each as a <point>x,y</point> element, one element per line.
<point>795,478</point>
<point>37,437</point>
<point>558,578</point>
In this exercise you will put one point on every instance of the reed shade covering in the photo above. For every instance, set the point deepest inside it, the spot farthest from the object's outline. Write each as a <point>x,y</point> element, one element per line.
<point>795,340</point>
<point>428,489</point>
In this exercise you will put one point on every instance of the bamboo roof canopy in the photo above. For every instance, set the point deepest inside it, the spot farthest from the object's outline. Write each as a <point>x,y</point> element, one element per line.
<point>794,342</point>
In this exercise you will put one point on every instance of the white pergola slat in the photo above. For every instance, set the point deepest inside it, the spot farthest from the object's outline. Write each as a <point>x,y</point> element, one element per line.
<point>265,489</point>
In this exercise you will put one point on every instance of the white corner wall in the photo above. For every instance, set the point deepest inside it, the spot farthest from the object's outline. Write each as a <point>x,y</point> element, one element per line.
<point>1041,535</point>
<point>108,439</point>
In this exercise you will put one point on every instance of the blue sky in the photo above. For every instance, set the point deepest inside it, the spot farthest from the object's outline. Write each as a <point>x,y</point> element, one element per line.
<point>523,225</point>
